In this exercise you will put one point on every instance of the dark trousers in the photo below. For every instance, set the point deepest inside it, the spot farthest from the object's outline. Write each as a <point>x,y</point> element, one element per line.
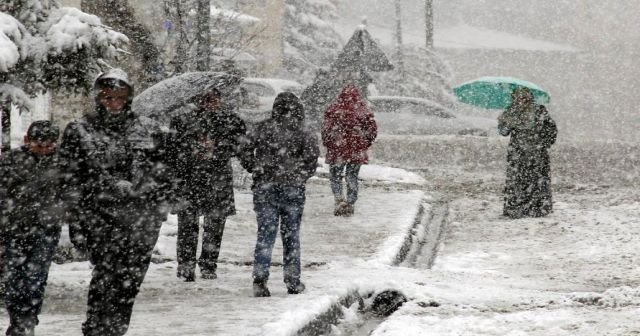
<point>278,205</point>
<point>120,250</point>
<point>187,244</point>
<point>26,264</point>
<point>349,172</point>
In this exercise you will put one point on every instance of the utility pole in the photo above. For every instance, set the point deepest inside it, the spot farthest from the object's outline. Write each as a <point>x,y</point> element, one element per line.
<point>428,13</point>
<point>203,31</point>
<point>399,44</point>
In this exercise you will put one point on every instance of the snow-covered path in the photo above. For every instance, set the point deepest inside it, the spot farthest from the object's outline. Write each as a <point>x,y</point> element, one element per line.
<point>335,252</point>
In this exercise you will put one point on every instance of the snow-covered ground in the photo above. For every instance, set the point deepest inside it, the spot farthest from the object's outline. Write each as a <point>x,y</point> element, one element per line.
<point>336,253</point>
<point>574,272</point>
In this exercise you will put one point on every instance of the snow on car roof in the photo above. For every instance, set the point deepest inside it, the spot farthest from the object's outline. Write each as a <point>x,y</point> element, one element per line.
<point>277,83</point>
<point>408,99</point>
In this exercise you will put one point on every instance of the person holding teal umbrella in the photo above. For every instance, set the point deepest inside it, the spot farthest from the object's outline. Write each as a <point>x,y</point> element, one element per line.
<point>528,185</point>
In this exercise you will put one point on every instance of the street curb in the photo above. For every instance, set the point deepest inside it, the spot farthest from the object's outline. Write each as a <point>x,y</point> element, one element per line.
<point>412,245</point>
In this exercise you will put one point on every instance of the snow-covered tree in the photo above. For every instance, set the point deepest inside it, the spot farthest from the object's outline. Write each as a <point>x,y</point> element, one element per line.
<point>122,16</point>
<point>46,47</point>
<point>310,41</point>
<point>427,76</point>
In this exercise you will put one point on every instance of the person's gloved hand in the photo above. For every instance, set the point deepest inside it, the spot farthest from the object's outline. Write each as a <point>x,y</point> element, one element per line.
<point>124,188</point>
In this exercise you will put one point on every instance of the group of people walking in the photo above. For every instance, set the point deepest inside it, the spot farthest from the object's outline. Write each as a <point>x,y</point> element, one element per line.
<point>115,195</point>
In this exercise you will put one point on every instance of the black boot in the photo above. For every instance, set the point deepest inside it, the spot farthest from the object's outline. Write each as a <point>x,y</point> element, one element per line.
<point>187,273</point>
<point>296,289</point>
<point>260,289</point>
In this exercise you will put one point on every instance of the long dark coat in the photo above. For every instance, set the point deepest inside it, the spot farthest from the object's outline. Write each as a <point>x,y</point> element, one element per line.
<point>205,175</point>
<point>528,185</point>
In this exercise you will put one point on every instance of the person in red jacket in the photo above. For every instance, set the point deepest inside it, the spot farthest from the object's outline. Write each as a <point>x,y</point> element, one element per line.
<point>348,131</point>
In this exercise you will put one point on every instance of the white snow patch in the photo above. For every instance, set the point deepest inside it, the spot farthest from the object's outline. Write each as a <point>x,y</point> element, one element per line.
<point>372,172</point>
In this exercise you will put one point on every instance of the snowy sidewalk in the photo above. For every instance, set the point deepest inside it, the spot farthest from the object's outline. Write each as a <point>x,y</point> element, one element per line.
<point>335,253</point>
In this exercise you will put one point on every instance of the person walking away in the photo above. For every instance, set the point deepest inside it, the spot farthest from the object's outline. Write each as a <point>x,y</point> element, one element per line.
<point>122,203</point>
<point>527,190</point>
<point>30,203</point>
<point>207,138</point>
<point>286,156</point>
<point>348,130</point>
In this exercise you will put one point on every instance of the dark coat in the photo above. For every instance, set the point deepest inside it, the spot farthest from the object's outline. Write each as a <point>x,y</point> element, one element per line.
<point>205,174</point>
<point>349,128</point>
<point>98,154</point>
<point>528,184</point>
<point>285,152</point>
<point>30,195</point>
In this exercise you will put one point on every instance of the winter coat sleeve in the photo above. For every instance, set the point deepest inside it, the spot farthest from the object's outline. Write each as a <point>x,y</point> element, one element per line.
<point>330,130</point>
<point>7,180</point>
<point>503,129</point>
<point>243,148</point>
<point>311,152</point>
<point>371,128</point>
<point>548,130</point>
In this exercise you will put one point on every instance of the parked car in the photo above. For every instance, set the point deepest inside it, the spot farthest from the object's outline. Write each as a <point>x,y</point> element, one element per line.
<point>408,115</point>
<point>258,95</point>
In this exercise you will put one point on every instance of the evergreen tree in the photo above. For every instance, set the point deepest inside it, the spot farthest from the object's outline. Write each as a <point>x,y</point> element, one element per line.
<point>310,41</point>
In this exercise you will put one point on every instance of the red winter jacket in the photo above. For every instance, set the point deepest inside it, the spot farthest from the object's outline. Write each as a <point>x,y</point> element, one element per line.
<point>349,128</point>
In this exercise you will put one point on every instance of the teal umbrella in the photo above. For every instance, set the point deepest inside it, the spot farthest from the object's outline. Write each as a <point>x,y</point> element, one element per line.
<point>495,92</point>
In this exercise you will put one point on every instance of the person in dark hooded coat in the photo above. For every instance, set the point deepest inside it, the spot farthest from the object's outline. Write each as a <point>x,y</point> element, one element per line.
<point>528,186</point>
<point>285,157</point>
<point>206,140</point>
<point>31,208</point>
<point>122,203</point>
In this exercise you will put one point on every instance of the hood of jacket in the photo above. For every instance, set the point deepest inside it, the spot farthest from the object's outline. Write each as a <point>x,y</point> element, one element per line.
<point>288,110</point>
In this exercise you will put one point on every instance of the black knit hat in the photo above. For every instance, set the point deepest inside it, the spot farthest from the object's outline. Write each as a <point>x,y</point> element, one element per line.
<point>43,130</point>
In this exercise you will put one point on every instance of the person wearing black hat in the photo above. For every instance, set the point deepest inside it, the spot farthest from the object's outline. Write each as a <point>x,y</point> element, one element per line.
<point>30,203</point>
<point>121,208</point>
<point>207,138</point>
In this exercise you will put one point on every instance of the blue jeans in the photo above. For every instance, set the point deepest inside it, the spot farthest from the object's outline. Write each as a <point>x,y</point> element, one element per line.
<point>26,262</point>
<point>348,171</point>
<point>278,205</point>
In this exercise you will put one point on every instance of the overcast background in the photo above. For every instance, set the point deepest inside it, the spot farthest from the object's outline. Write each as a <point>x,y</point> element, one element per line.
<point>594,92</point>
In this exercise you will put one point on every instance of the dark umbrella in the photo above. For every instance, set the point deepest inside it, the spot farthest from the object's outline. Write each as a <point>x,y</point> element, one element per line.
<point>171,96</point>
<point>157,105</point>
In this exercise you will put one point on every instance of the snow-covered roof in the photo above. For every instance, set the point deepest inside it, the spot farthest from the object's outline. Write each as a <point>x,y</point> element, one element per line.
<point>233,15</point>
<point>459,37</point>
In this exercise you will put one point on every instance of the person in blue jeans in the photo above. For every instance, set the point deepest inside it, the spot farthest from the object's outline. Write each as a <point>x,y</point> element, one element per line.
<point>31,210</point>
<point>285,157</point>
